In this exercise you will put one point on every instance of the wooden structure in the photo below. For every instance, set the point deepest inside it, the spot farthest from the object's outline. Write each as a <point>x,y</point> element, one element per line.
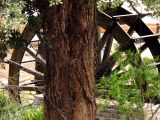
<point>114,30</point>
<point>112,23</point>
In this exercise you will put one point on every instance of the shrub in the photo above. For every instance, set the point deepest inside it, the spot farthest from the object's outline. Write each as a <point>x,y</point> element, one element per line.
<point>126,86</point>
<point>32,113</point>
<point>8,109</point>
<point>11,111</point>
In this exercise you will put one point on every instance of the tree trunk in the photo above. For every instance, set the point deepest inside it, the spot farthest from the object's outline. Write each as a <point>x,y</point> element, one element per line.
<point>70,31</point>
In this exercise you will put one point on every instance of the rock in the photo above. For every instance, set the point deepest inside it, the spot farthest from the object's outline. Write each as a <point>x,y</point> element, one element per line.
<point>38,100</point>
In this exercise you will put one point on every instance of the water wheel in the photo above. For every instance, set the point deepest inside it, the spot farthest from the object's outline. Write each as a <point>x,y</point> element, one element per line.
<point>28,59</point>
<point>144,39</point>
<point>112,24</point>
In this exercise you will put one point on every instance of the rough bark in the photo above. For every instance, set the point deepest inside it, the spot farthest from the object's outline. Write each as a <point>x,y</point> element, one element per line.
<point>70,34</point>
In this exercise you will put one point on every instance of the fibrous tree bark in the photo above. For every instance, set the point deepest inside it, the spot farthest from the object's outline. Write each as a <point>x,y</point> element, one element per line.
<point>70,30</point>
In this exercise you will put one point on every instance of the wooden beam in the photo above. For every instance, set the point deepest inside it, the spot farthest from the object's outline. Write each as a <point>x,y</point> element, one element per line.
<point>36,56</point>
<point>130,15</point>
<point>118,33</point>
<point>33,72</point>
<point>128,19</point>
<point>151,42</point>
<point>104,20</point>
<point>143,48</point>
<point>107,50</point>
<point>103,40</point>
<point>145,37</point>
<point>24,88</point>
<point>37,82</point>
<point>35,41</point>
<point>28,61</point>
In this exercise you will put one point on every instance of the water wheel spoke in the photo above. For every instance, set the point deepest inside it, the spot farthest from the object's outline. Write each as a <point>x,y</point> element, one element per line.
<point>103,41</point>
<point>143,48</point>
<point>36,56</point>
<point>39,82</point>
<point>24,88</point>
<point>106,65</point>
<point>108,47</point>
<point>33,72</point>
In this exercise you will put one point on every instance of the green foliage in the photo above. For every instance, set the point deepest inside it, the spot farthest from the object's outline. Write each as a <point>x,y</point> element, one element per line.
<point>153,6</point>
<point>103,4</point>
<point>3,44</point>
<point>11,111</point>
<point>116,3</point>
<point>12,16</point>
<point>55,2</point>
<point>125,86</point>
<point>8,109</point>
<point>102,105</point>
<point>33,113</point>
<point>11,20</point>
<point>15,40</point>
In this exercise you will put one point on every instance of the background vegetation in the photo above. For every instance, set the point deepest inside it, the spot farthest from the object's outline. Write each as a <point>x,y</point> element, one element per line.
<point>126,84</point>
<point>9,110</point>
